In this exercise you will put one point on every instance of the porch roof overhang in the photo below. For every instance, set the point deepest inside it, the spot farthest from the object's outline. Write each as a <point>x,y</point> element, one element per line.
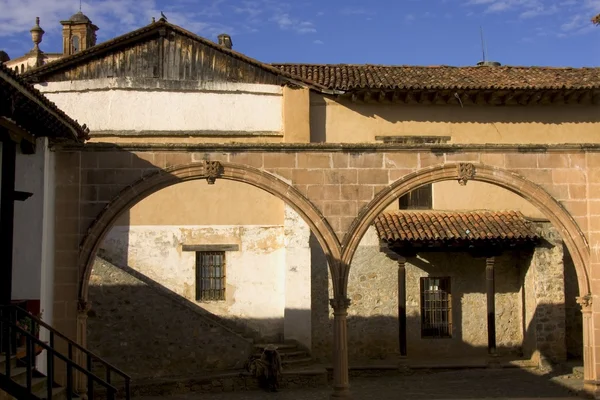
<point>27,114</point>
<point>482,233</point>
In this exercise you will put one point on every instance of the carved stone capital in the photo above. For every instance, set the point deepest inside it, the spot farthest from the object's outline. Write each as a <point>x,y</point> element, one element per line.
<point>83,307</point>
<point>465,172</point>
<point>213,170</point>
<point>339,304</point>
<point>585,302</point>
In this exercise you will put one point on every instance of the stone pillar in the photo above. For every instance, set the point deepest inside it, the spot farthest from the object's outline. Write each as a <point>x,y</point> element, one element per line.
<point>402,304</point>
<point>491,304</point>
<point>591,385</point>
<point>341,381</point>
<point>83,307</point>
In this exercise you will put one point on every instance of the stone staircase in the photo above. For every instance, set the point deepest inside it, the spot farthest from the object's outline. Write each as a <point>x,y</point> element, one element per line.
<point>292,355</point>
<point>39,381</point>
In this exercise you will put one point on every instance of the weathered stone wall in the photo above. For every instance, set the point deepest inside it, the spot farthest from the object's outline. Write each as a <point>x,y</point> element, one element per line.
<point>140,330</point>
<point>548,322</point>
<point>373,315</point>
<point>254,274</point>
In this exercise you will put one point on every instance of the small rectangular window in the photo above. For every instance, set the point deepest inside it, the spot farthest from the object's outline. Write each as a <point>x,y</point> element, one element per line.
<point>418,199</point>
<point>436,308</point>
<point>210,275</point>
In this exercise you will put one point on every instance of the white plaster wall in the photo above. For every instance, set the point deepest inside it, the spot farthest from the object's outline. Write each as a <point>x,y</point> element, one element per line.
<point>28,227</point>
<point>254,275</point>
<point>47,251</point>
<point>110,105</point>
<point>297,320</point>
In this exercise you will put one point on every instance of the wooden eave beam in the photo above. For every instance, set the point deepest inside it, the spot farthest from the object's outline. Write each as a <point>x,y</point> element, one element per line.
<point>480,98</point>
<point>546,98</point>
<point>15,131</point>
<point>511,98</point>
<point>586,97</point>
<point>534,98</point>
<point>559,97</point>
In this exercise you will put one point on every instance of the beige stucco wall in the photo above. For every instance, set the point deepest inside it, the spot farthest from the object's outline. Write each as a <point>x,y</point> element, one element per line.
<point>198,203</point>
<point>343,121</point>
<point>296,114</point>
<point>449,195</point>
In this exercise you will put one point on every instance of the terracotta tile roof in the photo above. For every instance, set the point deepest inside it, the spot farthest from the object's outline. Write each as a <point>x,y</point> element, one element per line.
<point>36,114</point>
<point>412,226</point>
<point>352,77</point>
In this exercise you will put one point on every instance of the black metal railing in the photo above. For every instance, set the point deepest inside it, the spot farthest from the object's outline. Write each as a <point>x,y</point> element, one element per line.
<point>12,329</point>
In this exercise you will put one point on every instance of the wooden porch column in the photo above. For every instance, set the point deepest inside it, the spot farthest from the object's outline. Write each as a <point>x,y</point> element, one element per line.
<point>341,379</point>
<point>491,305</point>
<point>402,304</point>
<point>7,214</point>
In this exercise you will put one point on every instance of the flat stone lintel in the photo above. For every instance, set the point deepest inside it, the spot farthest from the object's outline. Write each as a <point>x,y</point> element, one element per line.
<point>210,247</point>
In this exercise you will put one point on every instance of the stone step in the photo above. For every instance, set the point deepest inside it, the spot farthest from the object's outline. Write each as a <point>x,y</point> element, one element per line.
<point>294,363</point>
<point>281,347</point>
<point>287,355</point>
<point>19,375</point>
<point>58,393</point>
<point>13,363</point>
<point>578,371</point>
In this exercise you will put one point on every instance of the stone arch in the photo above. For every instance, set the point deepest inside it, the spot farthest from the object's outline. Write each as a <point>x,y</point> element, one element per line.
<point>209,170</point>
<point>571,233</point>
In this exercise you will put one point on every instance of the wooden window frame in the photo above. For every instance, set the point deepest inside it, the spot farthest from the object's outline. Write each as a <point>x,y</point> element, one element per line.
<point>205,285</point>
<point>436,313</point>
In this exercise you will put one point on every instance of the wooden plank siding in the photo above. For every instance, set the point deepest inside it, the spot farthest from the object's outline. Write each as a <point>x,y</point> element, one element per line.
<point>170,57</point>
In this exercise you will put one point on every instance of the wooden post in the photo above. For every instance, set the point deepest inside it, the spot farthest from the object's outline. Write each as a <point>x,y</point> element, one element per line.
<point>402,304</point>
<point>7,211</point>
<point>491,306</point>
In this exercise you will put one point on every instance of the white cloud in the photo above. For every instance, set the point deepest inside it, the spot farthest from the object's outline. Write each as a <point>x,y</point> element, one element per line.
<point>285,22</point>
<point>573,16</point>
<point>318,41</point>
<point>356,11</point>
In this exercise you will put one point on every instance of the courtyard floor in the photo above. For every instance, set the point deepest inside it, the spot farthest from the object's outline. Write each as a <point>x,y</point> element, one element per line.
<point>458,384</point>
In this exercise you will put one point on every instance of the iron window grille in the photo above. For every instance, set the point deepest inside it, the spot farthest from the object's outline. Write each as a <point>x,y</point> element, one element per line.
<point>210,275</point>
<point>436,308</point>
<point>418,199</point>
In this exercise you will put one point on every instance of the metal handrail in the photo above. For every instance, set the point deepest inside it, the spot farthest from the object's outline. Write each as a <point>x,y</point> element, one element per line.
<point>78,346</point>
<point>32,339</point>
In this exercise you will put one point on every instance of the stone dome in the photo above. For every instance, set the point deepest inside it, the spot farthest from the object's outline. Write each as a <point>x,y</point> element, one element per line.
<point>79,17</point>
<point>4,56</point>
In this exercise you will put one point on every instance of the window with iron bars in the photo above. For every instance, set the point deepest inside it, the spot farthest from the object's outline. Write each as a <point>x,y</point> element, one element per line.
<point>210,275</point>
<point>418,199</point>
<point>436,308</point>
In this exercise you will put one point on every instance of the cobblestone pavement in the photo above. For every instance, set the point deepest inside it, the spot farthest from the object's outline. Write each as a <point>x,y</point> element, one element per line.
<point>464,384</point>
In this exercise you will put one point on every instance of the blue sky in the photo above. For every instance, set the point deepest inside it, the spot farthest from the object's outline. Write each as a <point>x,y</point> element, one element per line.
<point>399,32</point>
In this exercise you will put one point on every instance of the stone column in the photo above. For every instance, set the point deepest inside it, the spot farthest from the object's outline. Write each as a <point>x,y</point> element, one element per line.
<point>402,304</point>
<point>83,307</point>
<point>341,381</point>
<point>591,385</point>
<point>491,304</point>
